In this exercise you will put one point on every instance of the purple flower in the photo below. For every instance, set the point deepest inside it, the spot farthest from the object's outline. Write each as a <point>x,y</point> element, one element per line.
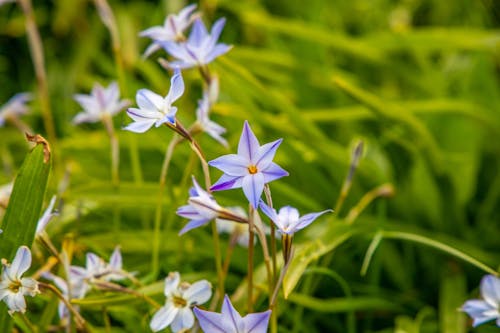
<point>488,308</point>
<point>250,169</point>
<point>202,208</point>
<point>229,320</point>
<point>288,220</point>
<point>154,109</point>
<point>172,29</point>
<point>201,47</point>
<point>101,102</point>
<point>15,106</point>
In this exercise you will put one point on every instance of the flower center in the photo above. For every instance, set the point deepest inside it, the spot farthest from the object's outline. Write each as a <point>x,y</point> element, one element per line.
<point>14,286</point>
<point>179,302</point>
<point>252,169</point>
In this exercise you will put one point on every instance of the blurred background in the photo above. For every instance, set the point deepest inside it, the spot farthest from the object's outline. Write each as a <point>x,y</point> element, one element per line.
<point>416,80</point>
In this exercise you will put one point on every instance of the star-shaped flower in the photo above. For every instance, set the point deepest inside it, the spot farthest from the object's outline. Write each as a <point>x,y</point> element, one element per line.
<point>230,321</point>
<point>154,109</point>
<point>15,107</point>
<point>13,286</point>
<point>488,308</point>
<point>288,220</point>
<point>172,29</point>
<point>181,297</point>
<point>201,47</point>
<point>250,169</point>
<point>102,102</point>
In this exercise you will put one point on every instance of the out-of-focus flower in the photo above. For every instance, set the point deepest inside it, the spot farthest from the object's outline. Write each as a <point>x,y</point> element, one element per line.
<point>288,220</point>
<point>250,169</point>
<point>15,107</point>
<point>211,128</point>
<point>488,308</point>
<point>229,320</point>
<point>172,29</point>
<point>154,109</point>
<point>72,291</point>
<point>181,297</point>
<point>5,192</point>
<point>100,103</point>
<point>3,2</point>
<point>238,231</point>
<point>200,49</point>
<point>13,286</point>
<point>48,214</point>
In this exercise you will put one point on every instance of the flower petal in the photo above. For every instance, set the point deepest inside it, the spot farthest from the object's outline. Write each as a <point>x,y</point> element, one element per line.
<point>231,164</point>
<point>307,219</point>
<point>198,293</point>
<point>216,30</point>
<point>217,51</point>
<point>253,185</point>
<point>163,317</point>
<point>270,212</point>
<point>257,322</point>
<point>479,311</point>
<point>273,172</point>
<point>248,145</point>
<point>490,289</point>
<point>210,321</point>
<point>148,100</point>
<point>265,154</point>
<point>231,315</point>
<point>116,262</point>
<point>183,320</point>
<point>227,182</point>
<point>193,225</point>
<point>176,87</point>
<point>21,262</point>
<point>171,283</point>
<point>140,126</point>
<point>198,33</point>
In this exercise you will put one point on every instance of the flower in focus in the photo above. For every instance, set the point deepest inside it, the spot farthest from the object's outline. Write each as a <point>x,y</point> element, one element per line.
<point>211,128</point>
<point>172,29</point>
<point>181,297</point>
<point>229,320</point>
<point>200,48</point>
<point>250,169</point>
<point>288,220</point>
<point>100,103</point>
<point>154,109</point>
<point>48,214</point>
<point>15,107</point>
<point>201,208</point>
<point>488,308</point>
<point>13,286</point>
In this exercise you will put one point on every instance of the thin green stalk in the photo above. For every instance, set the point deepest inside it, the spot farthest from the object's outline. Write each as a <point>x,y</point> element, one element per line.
<point>115,150</point>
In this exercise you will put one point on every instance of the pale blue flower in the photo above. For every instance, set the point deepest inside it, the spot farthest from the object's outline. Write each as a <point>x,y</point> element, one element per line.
<point>47,215</point>
<point>488,308</point>
<point>250,169</point>
<point>230,321</point>
<point>208,126</point>
<point>15,107</point>
<point>288,220</point>
<point>13,286</point>
<point>172,29</point>
<point>155,109</point>
<point>201,47</point>
<point>180,298</point>
<point>102,102</point>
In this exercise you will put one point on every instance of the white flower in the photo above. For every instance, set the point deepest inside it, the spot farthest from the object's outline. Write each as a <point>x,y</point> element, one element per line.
<point>181,297</point>
<point>172,29</point>
<point>211,128</point>
<point>16,106</point>
<point>13,286</point>
<point>488,308</point>
<point>5,192</point>
<point>154,109</point>
<point>48,214</point>
<point>101,102</point>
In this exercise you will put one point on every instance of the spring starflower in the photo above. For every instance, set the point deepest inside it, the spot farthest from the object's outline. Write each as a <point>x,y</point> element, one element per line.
<point>172,29</point>
<point>230,321</point>
<point>181,297</point>
<point>47,215</point>
<point>13,287</point>
<point>250,169</point>
<point>154,109</point>
<point>200,49</point>
<point>102,102</point>
<point>15,107</point>
<point>487,308</point>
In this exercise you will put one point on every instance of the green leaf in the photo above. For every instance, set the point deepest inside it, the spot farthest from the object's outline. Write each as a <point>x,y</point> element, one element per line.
<point>343,304</point>
<point>23,212</point>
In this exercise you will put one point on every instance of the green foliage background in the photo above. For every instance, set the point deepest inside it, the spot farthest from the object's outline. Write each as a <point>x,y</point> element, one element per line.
<point>416,80</point>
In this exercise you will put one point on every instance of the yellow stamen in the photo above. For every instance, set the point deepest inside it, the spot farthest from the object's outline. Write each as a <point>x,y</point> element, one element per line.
<point>179,302</point>
<point>252,169</point>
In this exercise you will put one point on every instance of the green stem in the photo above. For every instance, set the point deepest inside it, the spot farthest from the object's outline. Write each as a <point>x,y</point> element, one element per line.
<point>115,150</point>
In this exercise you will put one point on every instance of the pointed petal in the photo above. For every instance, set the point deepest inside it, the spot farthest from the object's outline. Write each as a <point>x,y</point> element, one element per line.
<point>186,12</point>
<point>231,164</point>
<point>307,219</point>
<point>230,314</point>
<point>21,262</point>
<point>227,182</point>
<point>253,185</point>
<point>257,322</point>
<point>47,216</point>
<point>198,33</point>
<point>163,317</point>
<point>116,262</point>
<point>248,145</point>
<point>176,87</point>
<point>139,126</point>
<point>171,283</point>
<point>270,212</point>
<point>217,29</point>
<point>273,172</point>
<point>479,311</point>
<point>210,321</point>
<point>490,289</point>
<point>217,51</point>
<point>148,100</point>
<point>193,225</point>
<point>265,154</point>
<point>198,293</point>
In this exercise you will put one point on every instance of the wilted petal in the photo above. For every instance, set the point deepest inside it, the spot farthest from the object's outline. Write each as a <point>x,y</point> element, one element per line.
<point>253,185</point>
<point>248,145</point>
<point>163,317</point>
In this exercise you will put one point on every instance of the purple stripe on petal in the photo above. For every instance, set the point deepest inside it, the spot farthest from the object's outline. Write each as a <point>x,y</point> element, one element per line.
<point>253,186</point>
<point>210,321</point>
<point>226,182</point>
<point>257,322</point>
<point>273,172</point>
<point>192,225</point>
<point>248,145</point>
<point>232,165</point>
<point>266,154</point>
